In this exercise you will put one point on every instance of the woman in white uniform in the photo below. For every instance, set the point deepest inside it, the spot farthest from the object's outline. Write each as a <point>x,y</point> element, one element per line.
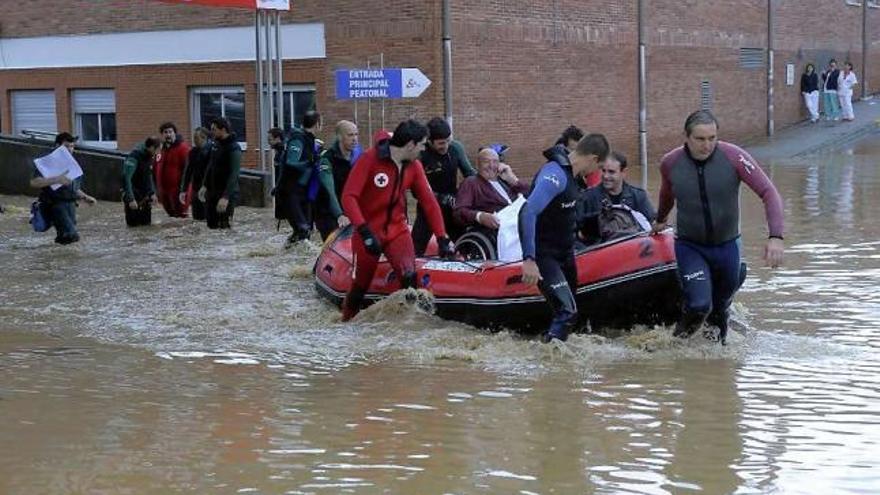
<point>845,83</point>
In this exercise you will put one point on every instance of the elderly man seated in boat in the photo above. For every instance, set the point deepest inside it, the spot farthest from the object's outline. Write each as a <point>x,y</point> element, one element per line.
<point>494,187</point>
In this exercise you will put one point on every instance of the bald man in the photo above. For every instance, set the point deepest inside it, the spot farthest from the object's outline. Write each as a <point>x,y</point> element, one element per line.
<point>481,196</point>
<point>333,169</point>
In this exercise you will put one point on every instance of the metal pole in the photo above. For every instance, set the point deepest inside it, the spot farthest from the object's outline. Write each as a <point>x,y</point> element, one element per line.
<point>865,45</point>
<point>643,97</point>
<point>369,112</point>
<point>382,67</point>
<point>770,61</point>
<point>279,78</point>
<point>447,62</point>
<point>270,72</point>
<point>259,61</point>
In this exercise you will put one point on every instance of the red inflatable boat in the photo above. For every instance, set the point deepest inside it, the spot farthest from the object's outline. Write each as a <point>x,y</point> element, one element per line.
<point>620,283</point>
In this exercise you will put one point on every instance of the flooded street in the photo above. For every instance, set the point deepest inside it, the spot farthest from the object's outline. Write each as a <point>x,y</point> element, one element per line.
<point>174,359</point>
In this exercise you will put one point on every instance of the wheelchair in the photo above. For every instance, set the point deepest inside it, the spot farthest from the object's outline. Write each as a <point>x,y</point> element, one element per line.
<point>477,244</point>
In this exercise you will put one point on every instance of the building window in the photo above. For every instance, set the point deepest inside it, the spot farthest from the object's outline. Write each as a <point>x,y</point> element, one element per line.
<point>297,101</point>
<point>94,116</point>
<point>209,103</point>
<point>34,111</point>
<point>874,4</point>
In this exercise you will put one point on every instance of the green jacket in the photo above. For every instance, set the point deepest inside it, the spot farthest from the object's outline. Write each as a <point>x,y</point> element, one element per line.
<point>301,155</point>
<point>333,170</point>
<point>221,177</point>
<point>137,175</point>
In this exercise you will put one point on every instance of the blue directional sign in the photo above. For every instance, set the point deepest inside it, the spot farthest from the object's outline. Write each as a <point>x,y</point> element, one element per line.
<point>355,84</point>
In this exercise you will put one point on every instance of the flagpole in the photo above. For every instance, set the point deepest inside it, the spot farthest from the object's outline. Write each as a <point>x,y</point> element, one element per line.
<point>279,80</point>
<point>259,67</point>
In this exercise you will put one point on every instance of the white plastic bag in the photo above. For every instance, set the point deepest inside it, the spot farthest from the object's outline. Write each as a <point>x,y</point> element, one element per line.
<point>509,248</point>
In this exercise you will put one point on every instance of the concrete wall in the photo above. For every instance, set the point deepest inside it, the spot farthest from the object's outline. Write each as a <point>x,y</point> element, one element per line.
<point>102,171</point>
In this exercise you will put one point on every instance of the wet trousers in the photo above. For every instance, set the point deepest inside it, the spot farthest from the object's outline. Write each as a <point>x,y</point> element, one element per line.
<point>559,281</point>
<point>217,220</point>
<point>198,209</point>
<point>325,222</point>
<point>64,221</point>
<point>171,202</point>
<point>399,252</point>
<point>292,204</point>
<point>140,216</point>
<point>421,232</point>
<point>709,276</point>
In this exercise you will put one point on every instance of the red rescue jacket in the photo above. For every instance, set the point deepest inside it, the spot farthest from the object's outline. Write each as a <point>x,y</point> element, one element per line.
<point>170,163</point>
<point>375,194</point>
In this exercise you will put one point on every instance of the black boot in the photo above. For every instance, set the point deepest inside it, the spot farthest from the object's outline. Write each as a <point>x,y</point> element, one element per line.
<point>351,305</point>
<point>409,281</point>
<point>689,323</point>
<point>721,320</point>
<point>560,327</point>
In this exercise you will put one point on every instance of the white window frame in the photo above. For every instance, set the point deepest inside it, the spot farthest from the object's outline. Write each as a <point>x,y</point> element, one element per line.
<point>874,4</point>
<point>77,120</point>
<point>196,114</point>
<point>288,91</point>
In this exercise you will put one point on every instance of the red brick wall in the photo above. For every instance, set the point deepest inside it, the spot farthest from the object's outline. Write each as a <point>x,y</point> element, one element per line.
<point>689,42</point>
<point>523,69</point>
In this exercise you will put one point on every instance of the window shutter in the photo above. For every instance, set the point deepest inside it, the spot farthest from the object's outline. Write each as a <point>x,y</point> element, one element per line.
<point>34,111</point>
<point>93,101</point>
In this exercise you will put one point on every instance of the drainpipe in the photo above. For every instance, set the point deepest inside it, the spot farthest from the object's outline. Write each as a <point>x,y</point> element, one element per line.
<point>643,98</point>
<point>279,77</point>
<point>270,76</point>
<point>770,68</point>
<point>447,63</point>
<point>864,81</point>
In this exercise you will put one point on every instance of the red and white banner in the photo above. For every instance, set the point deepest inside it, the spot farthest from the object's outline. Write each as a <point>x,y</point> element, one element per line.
<point>246,4</point>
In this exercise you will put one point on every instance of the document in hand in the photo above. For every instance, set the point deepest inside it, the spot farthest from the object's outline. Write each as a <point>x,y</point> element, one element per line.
<point>59,162</point>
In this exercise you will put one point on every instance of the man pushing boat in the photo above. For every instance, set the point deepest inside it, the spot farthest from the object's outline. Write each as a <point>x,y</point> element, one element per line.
<point>374,199</point>
<point>702,177</point>
<point>547,225</point>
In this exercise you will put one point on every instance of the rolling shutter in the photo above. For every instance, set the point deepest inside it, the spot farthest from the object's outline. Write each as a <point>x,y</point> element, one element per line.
<point>34,111</point>
<point>93,101</point>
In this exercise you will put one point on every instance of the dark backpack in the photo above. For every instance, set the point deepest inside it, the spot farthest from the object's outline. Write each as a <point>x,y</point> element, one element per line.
<point>40,216</point>
<point>616,221</point>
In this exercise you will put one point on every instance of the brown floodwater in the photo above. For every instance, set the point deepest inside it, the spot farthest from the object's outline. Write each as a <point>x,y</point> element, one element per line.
<point>173,359</point>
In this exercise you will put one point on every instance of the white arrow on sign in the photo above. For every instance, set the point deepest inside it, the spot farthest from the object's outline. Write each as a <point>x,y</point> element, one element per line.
<point>414,82</point>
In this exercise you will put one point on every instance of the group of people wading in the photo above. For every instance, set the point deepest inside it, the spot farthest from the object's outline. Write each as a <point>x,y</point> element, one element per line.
<point>324,189</point>
<point>204,176</point>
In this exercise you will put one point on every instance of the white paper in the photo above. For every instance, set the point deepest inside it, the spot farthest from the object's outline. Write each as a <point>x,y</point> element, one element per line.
<point>509,248</point>
<point>59,162</point>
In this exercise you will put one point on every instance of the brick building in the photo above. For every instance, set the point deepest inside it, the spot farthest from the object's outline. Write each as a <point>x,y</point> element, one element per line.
<point>112,70</point>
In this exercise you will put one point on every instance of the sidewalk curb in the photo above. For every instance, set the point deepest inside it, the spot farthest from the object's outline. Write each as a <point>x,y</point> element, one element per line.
<point>833,145</point>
